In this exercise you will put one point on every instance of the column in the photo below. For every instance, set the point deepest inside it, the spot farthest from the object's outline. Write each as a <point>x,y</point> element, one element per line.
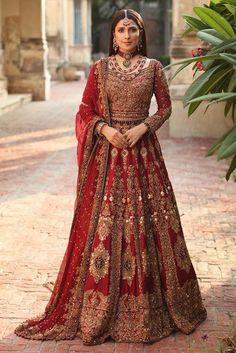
<point>26,51</point>
<point>84,19</point>
<point>3,81</point>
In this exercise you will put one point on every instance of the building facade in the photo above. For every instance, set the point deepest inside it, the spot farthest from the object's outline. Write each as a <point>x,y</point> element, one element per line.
<point>36,36</point>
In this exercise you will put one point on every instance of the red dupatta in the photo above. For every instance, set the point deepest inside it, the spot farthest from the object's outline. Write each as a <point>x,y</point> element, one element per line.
<point>93,108</point>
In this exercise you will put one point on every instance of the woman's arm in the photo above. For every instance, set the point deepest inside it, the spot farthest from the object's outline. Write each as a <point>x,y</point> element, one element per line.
<point>161,91</point>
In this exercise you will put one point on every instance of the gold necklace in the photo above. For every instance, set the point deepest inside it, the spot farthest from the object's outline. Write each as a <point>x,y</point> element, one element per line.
<point>127,56</point>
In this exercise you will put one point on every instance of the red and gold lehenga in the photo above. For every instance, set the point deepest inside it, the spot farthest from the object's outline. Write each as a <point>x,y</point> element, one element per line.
<point>126,272</point>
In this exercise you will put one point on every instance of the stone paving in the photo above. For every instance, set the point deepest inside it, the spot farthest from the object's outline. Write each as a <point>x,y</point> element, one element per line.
<point>37,190</point>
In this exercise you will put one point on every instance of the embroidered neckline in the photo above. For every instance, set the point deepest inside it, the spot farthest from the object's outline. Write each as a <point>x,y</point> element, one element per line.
<point>127,75</point>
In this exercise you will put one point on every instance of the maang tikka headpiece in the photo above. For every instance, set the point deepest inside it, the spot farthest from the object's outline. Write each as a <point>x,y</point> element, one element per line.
<point>126,20</point>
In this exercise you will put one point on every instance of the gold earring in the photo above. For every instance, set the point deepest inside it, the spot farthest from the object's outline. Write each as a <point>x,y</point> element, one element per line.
<point>115,46</point>
<point>139,46</point>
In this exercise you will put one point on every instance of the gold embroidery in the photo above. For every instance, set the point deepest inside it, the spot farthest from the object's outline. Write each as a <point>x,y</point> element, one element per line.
<point>99,262</point>
<point>182,255</point>
<point>124,153</point>
<point>128,265</point>
<point>105,222</point>
<point>114,153</point>
<point>133,230</point>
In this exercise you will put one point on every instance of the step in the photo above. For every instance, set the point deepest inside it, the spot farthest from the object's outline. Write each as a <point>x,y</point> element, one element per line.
<point>13,101</point>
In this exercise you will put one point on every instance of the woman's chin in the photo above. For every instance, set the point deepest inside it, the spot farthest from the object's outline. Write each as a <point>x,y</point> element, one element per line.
<point>127,48</point>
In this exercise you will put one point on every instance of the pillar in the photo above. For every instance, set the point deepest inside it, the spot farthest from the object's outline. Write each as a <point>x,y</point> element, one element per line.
<point>3,81</point>
<point>26,48</point>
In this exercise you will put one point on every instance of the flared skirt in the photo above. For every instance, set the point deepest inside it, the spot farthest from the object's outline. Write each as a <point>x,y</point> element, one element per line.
<point>126,272</point>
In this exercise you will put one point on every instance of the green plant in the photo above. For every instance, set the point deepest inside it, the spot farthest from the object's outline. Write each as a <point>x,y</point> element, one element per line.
<point>216,27</point>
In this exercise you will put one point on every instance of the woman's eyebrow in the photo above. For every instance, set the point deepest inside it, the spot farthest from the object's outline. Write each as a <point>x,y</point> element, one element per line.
<point>125,27</point>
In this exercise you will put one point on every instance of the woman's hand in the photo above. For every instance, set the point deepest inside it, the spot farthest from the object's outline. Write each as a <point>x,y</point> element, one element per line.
<point>115,137</point>
<point>133,135</point>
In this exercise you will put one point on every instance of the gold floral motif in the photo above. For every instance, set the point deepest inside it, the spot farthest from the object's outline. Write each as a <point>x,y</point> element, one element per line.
<point>99,262</point>
<point>128,265</point>
<point>124,153</point>
<point>128,226</point>
<point>105,222</point>
<point>114,153</point>
<point>134,152</point>
<point>143,152</point>
<point>182,255</point>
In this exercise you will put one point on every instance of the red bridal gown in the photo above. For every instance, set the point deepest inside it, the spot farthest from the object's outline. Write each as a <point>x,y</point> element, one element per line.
<point>126,272</point>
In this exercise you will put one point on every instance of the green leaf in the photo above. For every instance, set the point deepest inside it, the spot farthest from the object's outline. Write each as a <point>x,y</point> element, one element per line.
<point>217,144</point>
<point>231,9</point>
<point>179,69</point>
<point>228,147</point>
<point>231,58</point>
<point>194,23</point>
<point>224,96</point>
<point>232,2</point>
<point>227,44</point>
<point>188,30</point>
<point>215,2</point>
<point>232,82</point>
<point>215,21</point>
<point>232,167</point>
<point>195,59</point>
<point>209,38</point>
<point>204,89</point>
<point>196,86</point>
<point>227,107</point>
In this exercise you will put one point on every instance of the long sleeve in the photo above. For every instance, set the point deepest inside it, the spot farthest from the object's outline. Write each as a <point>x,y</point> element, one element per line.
<point>161,91</point>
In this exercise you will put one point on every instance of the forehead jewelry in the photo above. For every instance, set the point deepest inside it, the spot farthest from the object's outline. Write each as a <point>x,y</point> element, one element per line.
<point>126,20</point>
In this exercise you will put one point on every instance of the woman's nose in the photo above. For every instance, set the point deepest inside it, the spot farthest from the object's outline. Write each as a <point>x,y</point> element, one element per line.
<point>127,35</point>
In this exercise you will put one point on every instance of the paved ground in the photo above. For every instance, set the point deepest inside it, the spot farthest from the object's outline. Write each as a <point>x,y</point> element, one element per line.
<point>37,189</point>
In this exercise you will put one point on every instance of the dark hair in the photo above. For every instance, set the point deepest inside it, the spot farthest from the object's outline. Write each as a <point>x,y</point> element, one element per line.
<point>136,17</point>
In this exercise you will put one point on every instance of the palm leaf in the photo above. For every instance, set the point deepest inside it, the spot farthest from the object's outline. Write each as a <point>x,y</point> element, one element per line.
<point>194,23</point>
<point>232,82</point>
<point>215,21</point>
<point>232,167</point>
<point>197,84</point>
<point>228,146</point>
<point>227,44</point>
<point>209,38</point>
<point>195,59</point>
<point>231,58</point>
<point>217,144</point>
<point>179,69</point>
<point>224,96</point>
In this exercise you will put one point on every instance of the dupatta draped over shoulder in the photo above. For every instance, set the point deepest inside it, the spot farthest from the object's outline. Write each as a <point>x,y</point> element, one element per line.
<point>126,272</point>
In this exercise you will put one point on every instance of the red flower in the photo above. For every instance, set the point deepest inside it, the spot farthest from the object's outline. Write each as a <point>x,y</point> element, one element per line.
<point>200,65</point>
<point>199,52</point>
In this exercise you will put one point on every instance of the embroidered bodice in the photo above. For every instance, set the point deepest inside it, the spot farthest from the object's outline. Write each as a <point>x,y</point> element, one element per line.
<point>130,94</point>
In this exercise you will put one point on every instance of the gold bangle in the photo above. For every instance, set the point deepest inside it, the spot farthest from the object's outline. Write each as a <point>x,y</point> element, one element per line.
<point>99,126</point>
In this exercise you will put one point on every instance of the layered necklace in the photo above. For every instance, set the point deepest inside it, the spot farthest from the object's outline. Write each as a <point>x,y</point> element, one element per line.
<point>134,67</point>
<point>132,72</point>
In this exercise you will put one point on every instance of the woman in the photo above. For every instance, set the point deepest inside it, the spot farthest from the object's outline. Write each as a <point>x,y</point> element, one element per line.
<point>126,272</point>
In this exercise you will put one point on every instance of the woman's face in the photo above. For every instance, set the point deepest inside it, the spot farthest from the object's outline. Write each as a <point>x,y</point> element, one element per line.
<point>127,36</point>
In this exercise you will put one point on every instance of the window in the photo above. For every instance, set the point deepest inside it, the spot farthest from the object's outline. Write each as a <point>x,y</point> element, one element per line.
<point>77,22</point>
